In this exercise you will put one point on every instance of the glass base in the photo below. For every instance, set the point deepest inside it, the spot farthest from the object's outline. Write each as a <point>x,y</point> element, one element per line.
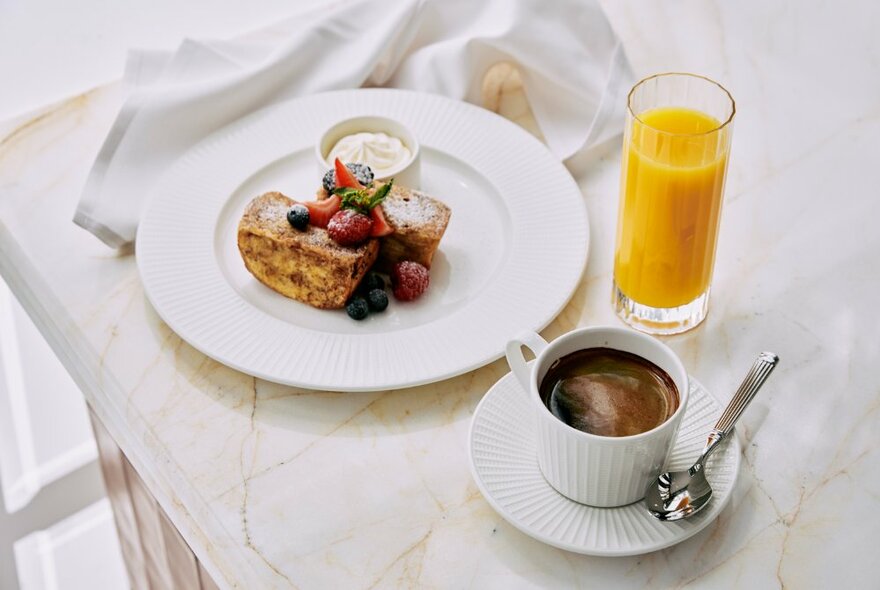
<point>660,320</point>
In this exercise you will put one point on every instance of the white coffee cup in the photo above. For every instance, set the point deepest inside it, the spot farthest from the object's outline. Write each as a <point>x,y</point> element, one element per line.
<point>601,471</point>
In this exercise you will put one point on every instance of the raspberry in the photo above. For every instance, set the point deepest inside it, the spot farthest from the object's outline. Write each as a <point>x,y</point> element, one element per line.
<point>349,228</point>
<point>409,280</point>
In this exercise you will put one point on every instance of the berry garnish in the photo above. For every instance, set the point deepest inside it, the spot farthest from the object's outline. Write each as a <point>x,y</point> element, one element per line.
<point>329,181</point>
<point>381,227</point>
<point>345,177</point>
<point>298,216</point>
<point>363,200</point>
<point>372,281</point>
<point>362,172</point>
<point>349,228</point>
<point>409,280</point>
<point>357,308</point>
<point>377,299</point>
<point>320,212</point>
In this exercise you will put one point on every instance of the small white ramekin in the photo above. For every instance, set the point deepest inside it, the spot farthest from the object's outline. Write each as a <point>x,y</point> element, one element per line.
<point>407,173</point>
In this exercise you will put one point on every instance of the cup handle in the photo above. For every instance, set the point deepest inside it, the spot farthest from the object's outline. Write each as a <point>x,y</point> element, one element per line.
<point>517,361</point>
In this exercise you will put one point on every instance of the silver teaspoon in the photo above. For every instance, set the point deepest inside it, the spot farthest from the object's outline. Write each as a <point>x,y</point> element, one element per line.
<point>680,494</point>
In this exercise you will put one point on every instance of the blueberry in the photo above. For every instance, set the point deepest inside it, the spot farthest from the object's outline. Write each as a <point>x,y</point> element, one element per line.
<point>372,281</point>
<point>362,172</point>
<point>377,299</point>
<point>298,216</point>
<point>357,308</point>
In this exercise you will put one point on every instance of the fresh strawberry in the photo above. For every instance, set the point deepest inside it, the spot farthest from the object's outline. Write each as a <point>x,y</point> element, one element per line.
<point>349,228</point>
<point>320,212</point>
<point>380,226</point>
<point>409,280</point>
<point>345,177</point>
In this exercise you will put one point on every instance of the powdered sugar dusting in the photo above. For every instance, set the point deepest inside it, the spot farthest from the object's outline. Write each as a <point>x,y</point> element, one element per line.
<point>405,206</point>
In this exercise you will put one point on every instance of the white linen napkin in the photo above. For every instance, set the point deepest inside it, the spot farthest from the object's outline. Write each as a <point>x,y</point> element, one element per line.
<point>574,71</point>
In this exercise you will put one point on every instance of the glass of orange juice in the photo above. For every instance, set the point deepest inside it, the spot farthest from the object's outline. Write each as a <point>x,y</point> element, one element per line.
<point>675,153</point>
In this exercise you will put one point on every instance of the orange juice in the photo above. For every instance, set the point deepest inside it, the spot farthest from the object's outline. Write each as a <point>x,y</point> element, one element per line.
<point>674,165</point>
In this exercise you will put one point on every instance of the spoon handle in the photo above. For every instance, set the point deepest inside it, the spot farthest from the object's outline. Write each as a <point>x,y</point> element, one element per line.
<point>755,378</point>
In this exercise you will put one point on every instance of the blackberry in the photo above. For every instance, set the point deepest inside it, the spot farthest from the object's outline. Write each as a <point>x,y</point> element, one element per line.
<point>329,181</point>
<point>357,308</point>
<point>372,281</point>
<point>377,299</point>
<point>362,172</point>
<point>298,216</point>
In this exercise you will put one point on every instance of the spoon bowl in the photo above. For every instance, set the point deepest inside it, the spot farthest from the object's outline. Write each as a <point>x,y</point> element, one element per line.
<point>679,494</point>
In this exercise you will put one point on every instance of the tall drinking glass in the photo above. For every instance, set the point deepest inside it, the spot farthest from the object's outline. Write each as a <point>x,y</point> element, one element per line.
<point>675,154</point>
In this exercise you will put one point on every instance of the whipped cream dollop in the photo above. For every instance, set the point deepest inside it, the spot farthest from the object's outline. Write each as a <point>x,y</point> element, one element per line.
<point>379,151</point>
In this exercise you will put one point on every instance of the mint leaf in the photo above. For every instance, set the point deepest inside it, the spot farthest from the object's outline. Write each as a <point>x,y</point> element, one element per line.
<point>344,191</point>
<point>381,193</point>
<point>362,200</point>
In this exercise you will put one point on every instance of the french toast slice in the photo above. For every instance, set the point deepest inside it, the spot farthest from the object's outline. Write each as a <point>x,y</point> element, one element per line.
<point>419,222</point>
<point>304,265</point>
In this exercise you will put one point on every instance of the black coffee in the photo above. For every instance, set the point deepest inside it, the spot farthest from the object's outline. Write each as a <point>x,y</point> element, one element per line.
<point>609,392</point>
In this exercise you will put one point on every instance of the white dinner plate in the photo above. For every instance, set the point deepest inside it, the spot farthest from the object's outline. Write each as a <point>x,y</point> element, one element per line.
<point>505,466</point>
<point>512,256</point>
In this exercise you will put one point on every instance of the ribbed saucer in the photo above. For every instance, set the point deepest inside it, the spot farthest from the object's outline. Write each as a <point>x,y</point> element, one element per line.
<point>505,468</point>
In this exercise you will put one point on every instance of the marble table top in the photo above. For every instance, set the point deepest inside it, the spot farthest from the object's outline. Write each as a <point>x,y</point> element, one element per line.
<point>276,487</point>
